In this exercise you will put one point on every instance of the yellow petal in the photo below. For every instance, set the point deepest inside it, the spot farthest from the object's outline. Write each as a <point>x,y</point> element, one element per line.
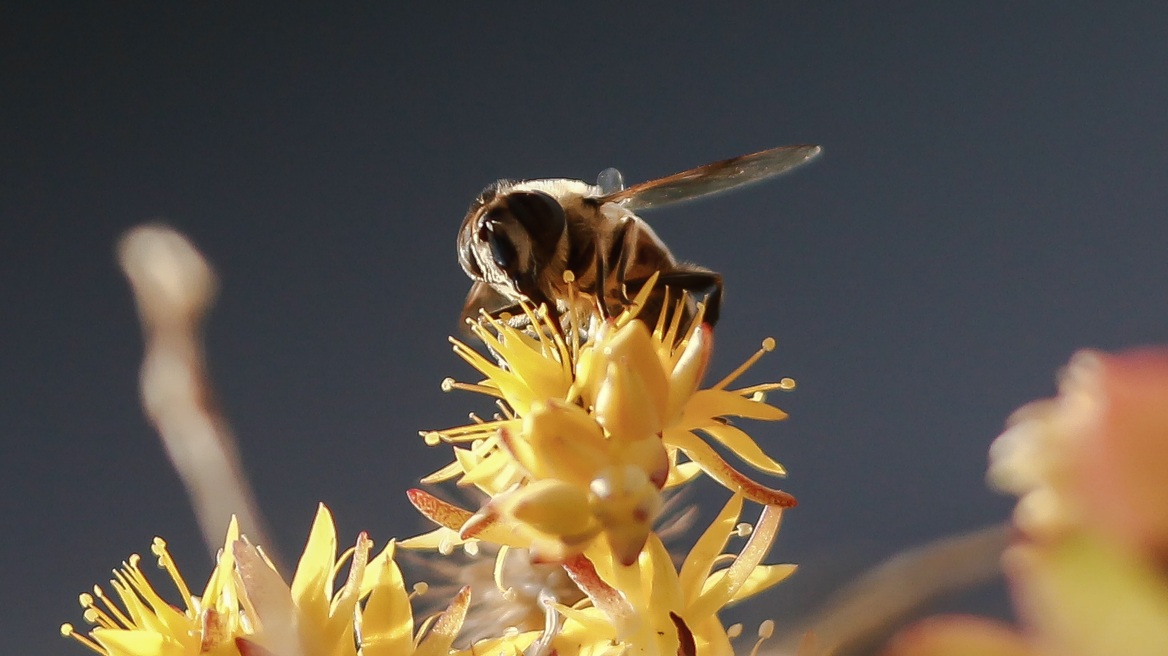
<point>648,455</point>
<point>626,503</point>
<point>682,473</point>
<point>517,392</point>
<point>491,473</point>
<point>744,447</point>
<point>564,443</point>
<point>740,569</point>
<point>708,547</point>
<point>760,580</point>
<point>224,574</point>
<point>552,507</point>
<point>439,539</point>
<point>532,365</point>
<point>445,629</point>
<point>387,623</point>
<point>312,585</point>
<point>268,598</point>
<point>688,372</point>
<point>710,639</point>
<point>626,404</point>
<point>665,592</point>
<point>706,404</point>
<point>138,643</point>
<point>337,634</point>
<point>632,347</point>
<point>719,470</point>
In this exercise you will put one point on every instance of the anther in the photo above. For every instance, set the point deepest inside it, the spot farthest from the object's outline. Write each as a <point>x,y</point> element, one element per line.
<point>432,438</point>
<point>768,345</point>
<point>68,631</point>
<point>743,530</point>
<point>765,630</point>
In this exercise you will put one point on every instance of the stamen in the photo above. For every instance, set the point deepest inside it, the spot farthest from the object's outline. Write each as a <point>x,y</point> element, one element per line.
<point>158,548</point>
<point>497,574</point>
<point>114,612</point>
<point>535,316</point>
<point>785,385</point>
<point>468,432</point>
<point>768,345</point>
<point>733,631</point>
<point>505,409</point>
<point>95,615</point>
<point>432,438</point>
<point>573,318</point>
<point>449,384</point>
<point>743,530</point>
<point>420,589</point>
<point>67,631</point>
<point>765,631</point>
<point>471,549</point>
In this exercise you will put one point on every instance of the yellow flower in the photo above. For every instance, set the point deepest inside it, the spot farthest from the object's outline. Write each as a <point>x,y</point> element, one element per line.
<point>147,625</point>
<point>592,427</point>
<point>247,608</point>
<point>308,617</point>
<point>386,623</point>
<point>651,608</point>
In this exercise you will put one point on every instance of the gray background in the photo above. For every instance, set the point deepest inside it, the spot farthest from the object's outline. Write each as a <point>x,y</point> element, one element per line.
<point>991,198</point>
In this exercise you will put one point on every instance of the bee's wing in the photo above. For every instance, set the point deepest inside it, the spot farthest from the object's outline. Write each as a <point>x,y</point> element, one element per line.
<point>712,178</point>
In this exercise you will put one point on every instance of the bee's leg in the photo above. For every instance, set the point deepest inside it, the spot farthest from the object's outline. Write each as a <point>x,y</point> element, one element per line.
<point>624,243</point>
<point>599,292</point>
<point>692,280</point>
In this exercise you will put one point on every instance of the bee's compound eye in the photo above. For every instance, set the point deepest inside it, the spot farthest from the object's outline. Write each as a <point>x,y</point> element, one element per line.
<point>502,250</point>
<point>541,216</point>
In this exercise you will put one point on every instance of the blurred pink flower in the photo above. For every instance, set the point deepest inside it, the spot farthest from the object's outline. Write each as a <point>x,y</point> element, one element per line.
<point>1089,570</point>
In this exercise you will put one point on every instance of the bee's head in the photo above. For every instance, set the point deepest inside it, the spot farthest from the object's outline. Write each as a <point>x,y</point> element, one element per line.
<point>509,235</point>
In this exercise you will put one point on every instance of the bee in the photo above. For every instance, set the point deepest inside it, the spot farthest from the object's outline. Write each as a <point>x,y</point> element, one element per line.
<point>520,240</point>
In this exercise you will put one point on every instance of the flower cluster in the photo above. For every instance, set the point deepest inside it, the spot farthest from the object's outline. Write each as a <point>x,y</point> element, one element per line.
<point>596,424</point>
<point>247,609</point>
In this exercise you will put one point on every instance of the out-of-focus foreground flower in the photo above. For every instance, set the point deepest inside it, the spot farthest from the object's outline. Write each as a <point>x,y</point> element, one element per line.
<point>1089,569</point>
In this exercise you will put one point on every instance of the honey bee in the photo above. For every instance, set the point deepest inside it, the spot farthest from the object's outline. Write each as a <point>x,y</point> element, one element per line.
<point>520,240</point>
